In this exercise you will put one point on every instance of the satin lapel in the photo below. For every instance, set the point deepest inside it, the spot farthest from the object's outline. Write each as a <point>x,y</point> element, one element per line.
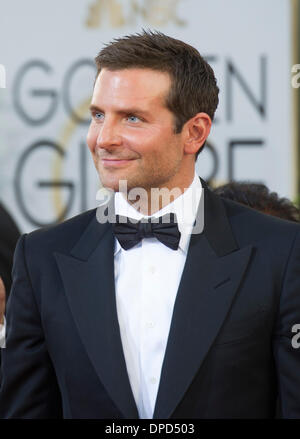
<point>88,278</point>
<point>213,271</point>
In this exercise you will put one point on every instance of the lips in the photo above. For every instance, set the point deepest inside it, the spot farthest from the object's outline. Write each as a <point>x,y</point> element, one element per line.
<point>115,162</point>
<point>116,159</point>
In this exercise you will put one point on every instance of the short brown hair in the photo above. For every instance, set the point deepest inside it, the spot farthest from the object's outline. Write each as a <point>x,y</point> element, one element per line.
<point>194,88</point>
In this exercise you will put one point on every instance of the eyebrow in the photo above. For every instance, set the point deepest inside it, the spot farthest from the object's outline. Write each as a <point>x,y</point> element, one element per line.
<point>94,108</point>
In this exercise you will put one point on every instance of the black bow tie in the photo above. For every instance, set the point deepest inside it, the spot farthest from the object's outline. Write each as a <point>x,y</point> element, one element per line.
<point>130,232</point>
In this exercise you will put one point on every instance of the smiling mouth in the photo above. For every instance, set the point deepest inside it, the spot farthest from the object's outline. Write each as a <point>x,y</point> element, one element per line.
<point>115,162</point>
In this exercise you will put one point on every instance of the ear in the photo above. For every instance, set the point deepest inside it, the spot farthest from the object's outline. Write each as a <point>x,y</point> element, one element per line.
<point>197,130</point>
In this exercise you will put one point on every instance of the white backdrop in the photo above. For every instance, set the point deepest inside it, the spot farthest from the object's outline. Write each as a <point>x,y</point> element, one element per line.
<point>47,49</point>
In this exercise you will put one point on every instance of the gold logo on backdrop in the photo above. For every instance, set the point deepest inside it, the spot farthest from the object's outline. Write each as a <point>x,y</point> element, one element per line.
<point>117,13</point>
<point>65,141</point>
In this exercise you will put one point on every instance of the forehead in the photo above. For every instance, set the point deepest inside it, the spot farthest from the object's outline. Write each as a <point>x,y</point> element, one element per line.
<point>134,86</point>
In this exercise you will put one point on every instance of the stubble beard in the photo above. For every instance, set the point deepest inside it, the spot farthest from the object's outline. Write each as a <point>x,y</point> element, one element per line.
<point>153,179</point>
<point>148,191</point>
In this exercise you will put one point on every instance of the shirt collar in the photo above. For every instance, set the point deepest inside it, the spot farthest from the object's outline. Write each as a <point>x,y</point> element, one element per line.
<point>185,207</point>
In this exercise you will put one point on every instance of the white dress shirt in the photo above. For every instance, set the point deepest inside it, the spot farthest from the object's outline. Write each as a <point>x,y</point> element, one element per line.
<point>147,278</point>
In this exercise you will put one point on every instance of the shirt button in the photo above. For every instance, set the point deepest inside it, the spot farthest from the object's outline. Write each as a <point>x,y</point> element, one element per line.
<point>153,380</point>
<point>150,325</point>
<point>152,269</point>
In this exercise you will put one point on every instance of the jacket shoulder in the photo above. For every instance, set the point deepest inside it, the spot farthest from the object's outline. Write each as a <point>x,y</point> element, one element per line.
<point>255,225</point>
<point>62,236</point>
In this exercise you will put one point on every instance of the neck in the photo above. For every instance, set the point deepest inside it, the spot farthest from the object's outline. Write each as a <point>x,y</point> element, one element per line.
<point>151,201</point>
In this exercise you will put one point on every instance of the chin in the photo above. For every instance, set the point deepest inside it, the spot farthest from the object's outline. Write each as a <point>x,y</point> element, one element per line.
<point>111,183</point>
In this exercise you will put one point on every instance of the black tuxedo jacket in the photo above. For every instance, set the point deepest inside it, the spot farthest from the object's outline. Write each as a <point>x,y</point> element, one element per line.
<point>229,352</point>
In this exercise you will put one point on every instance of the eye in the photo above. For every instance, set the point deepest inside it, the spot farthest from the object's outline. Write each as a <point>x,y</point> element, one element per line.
<point>98,116</point>
<point>133,119</point>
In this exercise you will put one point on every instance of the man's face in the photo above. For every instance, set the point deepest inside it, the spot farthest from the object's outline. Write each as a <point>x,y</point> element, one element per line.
<point>131,136</point>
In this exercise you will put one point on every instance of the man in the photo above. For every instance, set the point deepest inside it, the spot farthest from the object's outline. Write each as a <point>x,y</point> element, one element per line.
<point>2,310</point>
<point>9,235</point>
<point>189,318</point>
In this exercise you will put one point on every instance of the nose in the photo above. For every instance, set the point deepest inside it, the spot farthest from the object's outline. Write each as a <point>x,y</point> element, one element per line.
<point>109,135</point>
